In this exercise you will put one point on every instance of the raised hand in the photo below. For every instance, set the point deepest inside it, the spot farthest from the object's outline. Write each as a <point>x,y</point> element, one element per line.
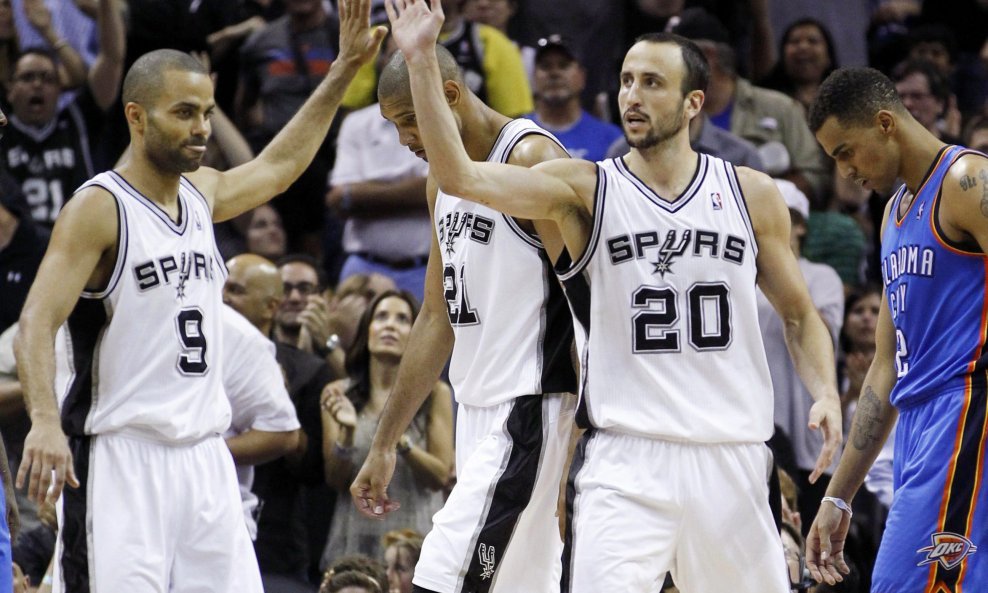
<point>415,24</point>
<point>359,42</point>
<point>339,406</point>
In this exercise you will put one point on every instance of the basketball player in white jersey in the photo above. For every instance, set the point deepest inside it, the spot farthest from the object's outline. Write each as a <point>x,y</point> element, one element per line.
<point>511,368</point>
<point>155,505</point>
<point>667,247</point>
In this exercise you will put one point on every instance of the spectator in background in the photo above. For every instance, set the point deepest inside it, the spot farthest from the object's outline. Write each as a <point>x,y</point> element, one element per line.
<point>286,487</point>
<point>40,30</point>
<point>74,21</point>
<point>498,14</point>
<point>976,134</point>
<point>22,245</point>
<point>807,56</point>
<point>280,65</point>
<point>401,553</point>
<point>768,119</point>
<point>926,94</point>
<point>792,400</point>
<point>857,342</point>
<point>51,152</point>
<point>265,234</point>
<point>378,187</point>
<point>354,574</point>
<point>559,80</point>
<point>350,411</point>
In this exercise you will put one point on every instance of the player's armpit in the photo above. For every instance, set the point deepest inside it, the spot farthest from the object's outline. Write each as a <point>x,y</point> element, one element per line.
<point>963,213</point>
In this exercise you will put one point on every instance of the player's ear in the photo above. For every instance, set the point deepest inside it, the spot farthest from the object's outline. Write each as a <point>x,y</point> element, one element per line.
<point>135,114</point>
<point>453,92</point>
<point>886,121</point>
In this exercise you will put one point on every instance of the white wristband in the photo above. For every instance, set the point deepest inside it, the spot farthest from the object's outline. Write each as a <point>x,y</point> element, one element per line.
<point>839,503</point>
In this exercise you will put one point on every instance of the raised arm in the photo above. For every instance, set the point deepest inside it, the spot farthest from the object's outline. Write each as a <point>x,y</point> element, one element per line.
<point>285,158</point>
<point>71,67</point>
<point>84,236</point>
<point>429,346</point>
<point>560,191</point>
<point>807,338</point>
<point>106,73</point>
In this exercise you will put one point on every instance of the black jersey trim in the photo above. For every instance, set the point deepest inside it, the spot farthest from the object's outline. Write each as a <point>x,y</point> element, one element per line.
<point>529,239</point>
<point>123,243</point>
<point>970,248</point>
<point>186,183</point>
<point>76,512</point>
<point>692,188</point>
<point>565,271</point>
<point>511,491</point>
<point>569,540</point>
<point>742,202</point>
<point>555,336</point>
<point>80,127</point>
<point>926,177</point>
<point>183,216</point>
<point>86,326</point>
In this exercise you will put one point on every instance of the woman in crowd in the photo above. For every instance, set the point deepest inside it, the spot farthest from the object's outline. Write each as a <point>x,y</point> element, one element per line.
<point>350,411</point>
<point>355,574</point>
<point>857,342</point>
<point>401,552</point>
<point>806,57</point>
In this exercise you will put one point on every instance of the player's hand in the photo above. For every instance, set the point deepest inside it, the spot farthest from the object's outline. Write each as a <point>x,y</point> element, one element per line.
<point>825,544</point>
<point>825,416</point>
<point>339,406</point>
<point>47,460</point>
<point>359,42</point>
<point>415,24</point>
<point>370,488</point>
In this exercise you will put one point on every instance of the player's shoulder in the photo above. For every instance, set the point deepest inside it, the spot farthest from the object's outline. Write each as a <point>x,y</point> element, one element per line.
<point>94,206</point>
<point>535,148</point>
<point>970,169</point>
<point>205,180</point>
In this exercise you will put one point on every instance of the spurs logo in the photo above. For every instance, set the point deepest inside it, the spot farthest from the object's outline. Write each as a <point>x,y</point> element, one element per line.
<point>486,561</point>
<point>949,549</point>
<point>669,252</point>
<point>458,224</point>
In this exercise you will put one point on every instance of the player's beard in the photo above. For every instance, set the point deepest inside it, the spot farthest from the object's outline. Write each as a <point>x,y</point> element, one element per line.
<point>165,155</point>
<point>664,129</point>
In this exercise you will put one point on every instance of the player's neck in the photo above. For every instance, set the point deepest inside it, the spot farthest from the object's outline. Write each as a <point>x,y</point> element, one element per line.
<point>481,128</point>
<point>154,184</point>
<point>666,168</point>
<point>919,148</point>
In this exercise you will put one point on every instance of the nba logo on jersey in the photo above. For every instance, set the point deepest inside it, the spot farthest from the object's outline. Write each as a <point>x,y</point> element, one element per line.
<point>716,200</point>
<point>949,549</point>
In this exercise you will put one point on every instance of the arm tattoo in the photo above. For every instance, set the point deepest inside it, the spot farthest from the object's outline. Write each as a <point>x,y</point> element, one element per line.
<point>868,420</point>
<point>983,174</point>
<point>968,182</point>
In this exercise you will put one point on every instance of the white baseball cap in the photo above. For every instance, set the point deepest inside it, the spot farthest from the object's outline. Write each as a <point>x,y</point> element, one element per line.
<point>794,197</point>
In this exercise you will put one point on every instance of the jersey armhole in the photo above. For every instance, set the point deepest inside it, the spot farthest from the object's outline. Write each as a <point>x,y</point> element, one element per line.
<point>738,194</point>
<point>121,256</point>
<point>567,268</point>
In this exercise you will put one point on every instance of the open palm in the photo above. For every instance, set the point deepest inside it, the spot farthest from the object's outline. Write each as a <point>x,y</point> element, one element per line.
<point>415,24</point>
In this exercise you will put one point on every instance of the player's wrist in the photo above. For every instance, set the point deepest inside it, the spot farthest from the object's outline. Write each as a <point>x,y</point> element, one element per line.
<point>840,503</point>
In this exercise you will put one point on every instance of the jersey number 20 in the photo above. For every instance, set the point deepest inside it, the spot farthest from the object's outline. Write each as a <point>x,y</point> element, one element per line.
<point>657,326</point>
<point>192,358</point>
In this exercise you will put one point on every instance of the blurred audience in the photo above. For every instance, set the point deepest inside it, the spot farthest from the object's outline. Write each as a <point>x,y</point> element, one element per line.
<point>806,57</point>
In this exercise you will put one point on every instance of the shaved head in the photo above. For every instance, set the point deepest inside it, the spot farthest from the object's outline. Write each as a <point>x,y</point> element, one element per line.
<point>254,288</point>
<point>146,78</point>
<point>395,84</point>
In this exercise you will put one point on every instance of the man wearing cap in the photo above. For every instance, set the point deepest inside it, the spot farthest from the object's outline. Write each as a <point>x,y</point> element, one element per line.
<point>792,400</point>
<point>559,80</point>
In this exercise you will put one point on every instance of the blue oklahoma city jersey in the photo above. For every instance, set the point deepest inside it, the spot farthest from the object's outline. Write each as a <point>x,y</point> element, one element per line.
<point>936,291</point>
<point>936,296</point>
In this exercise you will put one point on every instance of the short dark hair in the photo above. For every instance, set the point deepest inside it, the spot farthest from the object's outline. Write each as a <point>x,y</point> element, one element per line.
<point>306,259</point>
<point>146,77</point>
<point>853,96</point>
<point>938,83</point>
<point>394,80</point>
<point>696,73</point>
<point>37,50</point>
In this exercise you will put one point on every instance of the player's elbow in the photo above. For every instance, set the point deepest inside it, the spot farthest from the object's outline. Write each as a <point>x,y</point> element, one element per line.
<point>289,443</point>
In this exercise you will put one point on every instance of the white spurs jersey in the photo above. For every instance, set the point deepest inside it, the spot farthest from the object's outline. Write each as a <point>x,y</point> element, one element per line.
<point>509,316</point>
<point>666,290</point>
<point>145,354</point>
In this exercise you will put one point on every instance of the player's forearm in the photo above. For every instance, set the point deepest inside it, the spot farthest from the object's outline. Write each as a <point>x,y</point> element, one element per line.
<point>812,352</point>
<point>291,151</point>
<point>255,447</point>
<point>34,348</point>
<point>429,346</point>
<point>873,420</point>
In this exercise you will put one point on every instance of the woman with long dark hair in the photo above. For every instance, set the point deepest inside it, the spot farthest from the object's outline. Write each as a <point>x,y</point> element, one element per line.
<point>806,56</point>
<point>350,411</point>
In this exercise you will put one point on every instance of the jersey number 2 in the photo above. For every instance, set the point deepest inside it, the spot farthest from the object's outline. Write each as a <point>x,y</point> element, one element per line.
<point>708,315</point>
<point>192,359</point>
<point>457,302</point>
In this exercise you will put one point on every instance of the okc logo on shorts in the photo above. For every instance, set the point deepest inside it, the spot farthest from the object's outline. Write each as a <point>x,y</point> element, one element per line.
<point>487,561</point>
<point>949,549</point>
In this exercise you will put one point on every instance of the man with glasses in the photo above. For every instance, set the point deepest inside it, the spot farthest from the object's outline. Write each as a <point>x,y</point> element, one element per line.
<point>50,152</point>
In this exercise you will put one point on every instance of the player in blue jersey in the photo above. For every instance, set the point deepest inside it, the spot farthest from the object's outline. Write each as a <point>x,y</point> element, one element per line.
<point>931,353</point>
